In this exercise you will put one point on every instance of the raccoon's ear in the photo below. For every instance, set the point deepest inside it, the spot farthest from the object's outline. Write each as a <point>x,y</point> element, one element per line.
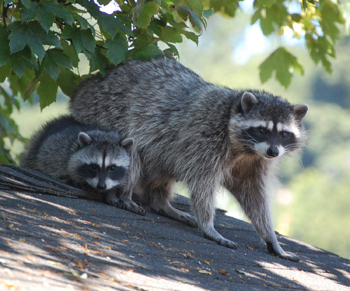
<point>84,139</point>
<point>300,111</point>
<point>248,101</point>
<point>127,142</point>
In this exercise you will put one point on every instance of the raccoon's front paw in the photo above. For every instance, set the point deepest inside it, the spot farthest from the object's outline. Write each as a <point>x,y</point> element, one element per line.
<point>281,253</point>
<point>213,235</point>
<point>287,256</point>
<point>189,219</point>
<point>129,206</point>
<point>225,242</point>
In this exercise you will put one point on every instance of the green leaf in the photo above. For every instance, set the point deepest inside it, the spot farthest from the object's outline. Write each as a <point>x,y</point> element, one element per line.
<point>227,7</point>
<point>170,34</point>
<point>33,35</point>
<point>68,82</point>
<point>283,63</point>
<point>99,62</point>
<point>147,52</point>
<point>156,27</point>
<point>144,12</point>
<point>47,11</point>
<point>9,101</point>
<point>21,60</point>
<point>191,36</point>
<point>20,85</point>
<point>142,39</point>
<point>29,13</point>
<point>30,89</point>
<point>171,51</point>
<point>104,2</point>
<point>266,23</point>
<point>196,6</point>
<point>267,3</point>
<point>8,128</point>
<point>5,71</point>
<point>113,25</point>
<point>91,7</point>
<point>4,47</point>
<point>209,12</point>
<point>196,21</point>
<point>230,9</point>
<point>256,16</point>
<point>278,12</point>
<point>47,91</point>
<point>183,11</point>
<point>84,24</point>
<point>180,26</point>
<point>26,3</point>
<point>54,60</point>
<point>117,49</point>
<point>330,16</point>
<point>319,49</point>
<point>83,40</point>
<point>71,52</point>
<point>164,5</point>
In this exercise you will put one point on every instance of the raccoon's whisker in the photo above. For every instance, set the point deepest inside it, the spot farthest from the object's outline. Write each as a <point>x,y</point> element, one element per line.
<point>248,141</point>
<point>252,138</point>
<point>313,148</point>
<point>297,156</point>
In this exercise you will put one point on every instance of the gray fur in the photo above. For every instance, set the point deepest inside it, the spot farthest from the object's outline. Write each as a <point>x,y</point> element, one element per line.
<point>186,129</point>
<point>65,149</point>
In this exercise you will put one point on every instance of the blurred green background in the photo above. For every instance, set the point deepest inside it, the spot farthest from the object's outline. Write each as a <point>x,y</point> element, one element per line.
<point>312,203</point>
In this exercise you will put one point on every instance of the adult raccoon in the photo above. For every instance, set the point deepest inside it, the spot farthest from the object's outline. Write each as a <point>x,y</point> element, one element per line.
<point>186,129</point>
<point>85,156</point>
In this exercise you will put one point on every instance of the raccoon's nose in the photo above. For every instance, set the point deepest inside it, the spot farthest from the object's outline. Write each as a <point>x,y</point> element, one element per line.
<point>273,151</point>
<point>101,186</point>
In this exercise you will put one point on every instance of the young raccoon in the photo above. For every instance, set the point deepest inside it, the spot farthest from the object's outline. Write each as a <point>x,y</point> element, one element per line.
<point>207,136</point>
<point>84,156</point>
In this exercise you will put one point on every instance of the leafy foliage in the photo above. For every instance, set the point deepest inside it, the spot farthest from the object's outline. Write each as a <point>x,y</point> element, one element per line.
<point>42,41</point>
<point>283,63</point>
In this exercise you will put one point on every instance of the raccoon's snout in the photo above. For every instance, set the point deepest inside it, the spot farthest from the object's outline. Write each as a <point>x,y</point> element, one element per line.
<point>101,186</point>
<point>272,151</point>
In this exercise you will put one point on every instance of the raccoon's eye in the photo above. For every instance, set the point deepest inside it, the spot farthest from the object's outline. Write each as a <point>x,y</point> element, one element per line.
<point>94,167</point>
<point>285,134</point>
<point>112,168</point>
<point>261,130</point>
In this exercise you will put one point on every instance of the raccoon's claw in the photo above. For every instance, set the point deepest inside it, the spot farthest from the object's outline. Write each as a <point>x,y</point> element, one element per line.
<point>190,220</point>
<point>282,254</point>
<point>213,235</point>
<point>183,217</point>
<point>169,211</point>
<point>130,206</point>
<point>224,242</point>
<point>287,256</point>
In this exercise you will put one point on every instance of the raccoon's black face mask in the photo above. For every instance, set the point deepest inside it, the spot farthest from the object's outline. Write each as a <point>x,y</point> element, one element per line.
<point>269,143</point>
<point>102,178</point>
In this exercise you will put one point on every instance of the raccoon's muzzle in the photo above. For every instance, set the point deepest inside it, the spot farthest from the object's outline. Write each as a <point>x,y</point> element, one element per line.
<point>273,151</point>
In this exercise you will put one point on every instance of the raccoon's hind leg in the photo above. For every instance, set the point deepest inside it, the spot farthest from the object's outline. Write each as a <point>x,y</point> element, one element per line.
<point>251,194</point>
<point>203,205</point>
<point>159,194</point>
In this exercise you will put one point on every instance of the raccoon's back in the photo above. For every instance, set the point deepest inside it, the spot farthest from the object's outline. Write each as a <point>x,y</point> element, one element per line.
<point>49,148</point>
<point>148,89</point>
